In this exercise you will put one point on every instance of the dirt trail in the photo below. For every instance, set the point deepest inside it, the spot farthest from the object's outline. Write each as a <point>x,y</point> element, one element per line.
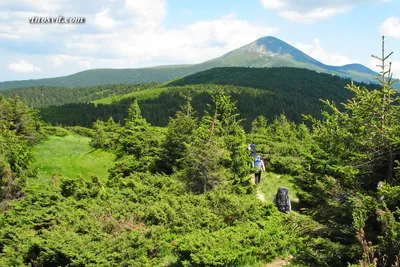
<point>260,196</point>
<point>280,261</point>
<point>277,263</point>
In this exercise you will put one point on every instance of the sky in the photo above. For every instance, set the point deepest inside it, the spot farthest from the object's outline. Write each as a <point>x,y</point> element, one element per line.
<point>145,33</point>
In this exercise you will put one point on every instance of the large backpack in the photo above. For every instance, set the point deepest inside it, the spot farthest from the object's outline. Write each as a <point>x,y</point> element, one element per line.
<point>253,152</point>
<point>253,147</point>
<point>282,200</point>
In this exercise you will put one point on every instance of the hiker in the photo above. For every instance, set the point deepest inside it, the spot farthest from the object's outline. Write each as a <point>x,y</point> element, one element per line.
<point>252,148</point>
<point>259,164</point>
<point>282,200</point>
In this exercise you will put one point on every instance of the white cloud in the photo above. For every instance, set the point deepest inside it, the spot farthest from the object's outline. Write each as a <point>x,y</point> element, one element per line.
<point>104,21</point>
<point>84,63</point>
<point>317,52</point>
<point>23,66</point>
<point>117,34</point>
<point>59,59</point>
<point>308,11</point>
<point>148,14</point>
<point>194,43</point>
<point>8,36</point>
<point>315,14</point>
<point>273,4</point>
<point>197,42</point>
<point>391,27</point>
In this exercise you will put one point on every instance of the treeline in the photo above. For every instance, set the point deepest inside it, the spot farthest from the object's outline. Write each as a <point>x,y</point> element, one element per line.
<point>292,91</point>
<point>44,96</point>
<point>272,91</point>
<point>251,103</point>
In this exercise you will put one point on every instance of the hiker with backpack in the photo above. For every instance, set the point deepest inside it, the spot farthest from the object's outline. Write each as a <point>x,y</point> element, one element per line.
<point>282,200</point>
<point>252,148</point>
<point>260,167</point>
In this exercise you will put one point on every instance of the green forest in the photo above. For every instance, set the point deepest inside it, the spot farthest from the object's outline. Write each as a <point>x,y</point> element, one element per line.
<point>165,178</point>
<point>258,91</point>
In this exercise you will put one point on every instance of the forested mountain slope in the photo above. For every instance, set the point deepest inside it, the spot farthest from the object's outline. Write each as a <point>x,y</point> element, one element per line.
<point>258,91</point>
<point>44,96</point>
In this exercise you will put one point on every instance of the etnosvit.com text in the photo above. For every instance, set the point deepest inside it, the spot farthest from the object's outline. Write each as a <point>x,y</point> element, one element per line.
<point>59,19</point>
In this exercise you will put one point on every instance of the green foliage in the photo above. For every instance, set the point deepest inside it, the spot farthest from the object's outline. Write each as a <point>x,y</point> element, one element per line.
<point>233,135</point>
<point>178,136</point>
<point>285,145</point>
<point>45,96</point>
<point>257,91</point>
<point>354,151</point>
<point>82,131</point>
<point>56,131</point>
<point>204,168</point>
<point>217,154</point>
<point>143,219</point>
<point>80,188</point>
<point>181,196</point>
<point>105,134</point>
<point>19,129</point>
<point>234,246</point>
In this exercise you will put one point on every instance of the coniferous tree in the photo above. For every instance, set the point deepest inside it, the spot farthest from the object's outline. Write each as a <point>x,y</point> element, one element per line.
<point>234,137</point>
<point>106,134</point>
<point>355,151</point>
<point>19,128</point>
<point>207,154</point>
<point>179,135</point>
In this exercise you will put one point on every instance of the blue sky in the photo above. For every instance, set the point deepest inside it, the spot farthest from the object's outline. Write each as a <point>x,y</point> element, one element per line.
<point>143,33</point>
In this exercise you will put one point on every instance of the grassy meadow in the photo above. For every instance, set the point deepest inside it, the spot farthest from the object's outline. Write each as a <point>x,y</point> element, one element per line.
<point>70,156</point>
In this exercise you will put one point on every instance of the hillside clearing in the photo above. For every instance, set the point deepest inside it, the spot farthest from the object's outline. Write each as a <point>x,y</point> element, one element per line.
<point>140,95</point>
<point>70,156</point>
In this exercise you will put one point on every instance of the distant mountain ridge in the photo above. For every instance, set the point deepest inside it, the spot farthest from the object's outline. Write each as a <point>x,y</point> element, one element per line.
<point>264,52</point>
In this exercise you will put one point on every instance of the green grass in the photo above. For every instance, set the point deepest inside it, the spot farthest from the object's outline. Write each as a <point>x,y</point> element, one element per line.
<point>140,95</point>
<point>70,156</point>
<point>270,182</point>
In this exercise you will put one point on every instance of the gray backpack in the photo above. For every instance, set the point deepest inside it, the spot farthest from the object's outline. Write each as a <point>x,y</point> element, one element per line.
<point>282,200</point>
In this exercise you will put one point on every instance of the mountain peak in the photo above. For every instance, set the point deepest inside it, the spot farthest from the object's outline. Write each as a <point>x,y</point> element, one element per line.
<point>270,45</point>
<point>265,52</point>
<point>270,39</point>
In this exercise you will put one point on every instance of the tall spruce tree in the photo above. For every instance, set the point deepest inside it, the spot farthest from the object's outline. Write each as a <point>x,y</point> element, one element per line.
<point>234,137</point>
<point>218,153</point>
<point>179,135</point>
<point>206,156</point>
<point>356,149</point>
